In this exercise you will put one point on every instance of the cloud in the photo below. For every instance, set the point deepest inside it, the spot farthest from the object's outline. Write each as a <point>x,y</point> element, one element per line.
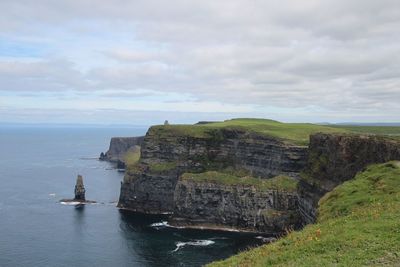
<point>339,57</point>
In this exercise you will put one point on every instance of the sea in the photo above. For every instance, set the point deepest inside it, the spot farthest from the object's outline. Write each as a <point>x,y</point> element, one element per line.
<point>38,168</point>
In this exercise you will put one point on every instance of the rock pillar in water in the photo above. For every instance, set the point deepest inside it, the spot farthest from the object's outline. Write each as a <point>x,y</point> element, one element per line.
<point>79,189</point>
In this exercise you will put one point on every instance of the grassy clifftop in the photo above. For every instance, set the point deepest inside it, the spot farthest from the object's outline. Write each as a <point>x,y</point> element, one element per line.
<point>358,225</point>
<point>296,133</point>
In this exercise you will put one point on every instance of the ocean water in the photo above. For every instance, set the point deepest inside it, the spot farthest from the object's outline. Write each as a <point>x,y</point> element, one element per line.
<point>38,167</point>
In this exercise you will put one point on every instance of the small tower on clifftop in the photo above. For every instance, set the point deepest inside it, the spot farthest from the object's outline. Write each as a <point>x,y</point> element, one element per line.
<point>79,189</point>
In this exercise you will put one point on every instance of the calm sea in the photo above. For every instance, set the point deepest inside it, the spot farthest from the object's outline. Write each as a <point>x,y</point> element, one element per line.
<point>38,167</point>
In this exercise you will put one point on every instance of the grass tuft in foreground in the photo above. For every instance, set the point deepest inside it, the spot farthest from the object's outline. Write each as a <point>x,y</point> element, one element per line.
<point>358,225</point>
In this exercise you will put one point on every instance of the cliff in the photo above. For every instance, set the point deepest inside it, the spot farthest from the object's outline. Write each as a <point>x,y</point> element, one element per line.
<point>335,158</point>
<point>169,151</point>
<point>246,203</point>
<point>119,146</point>
<point>258,148</point>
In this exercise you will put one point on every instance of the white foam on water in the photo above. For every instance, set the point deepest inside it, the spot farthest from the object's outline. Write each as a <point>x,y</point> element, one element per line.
<point>179,245</point>
<point>160,224</point>
<point>52,194</point>
<point>201,243</point>
<point>70,203</point>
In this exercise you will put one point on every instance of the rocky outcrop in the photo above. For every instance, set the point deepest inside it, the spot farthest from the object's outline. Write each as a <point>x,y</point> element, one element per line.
<point>119,146</point>
<point>241,207</point>
<point>335,158</point>
<point>79,189</point>
<point>80,192</point>
<point>165,155</point>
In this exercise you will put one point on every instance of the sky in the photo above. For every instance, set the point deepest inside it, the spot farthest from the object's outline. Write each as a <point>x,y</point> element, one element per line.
<point>142,62</point>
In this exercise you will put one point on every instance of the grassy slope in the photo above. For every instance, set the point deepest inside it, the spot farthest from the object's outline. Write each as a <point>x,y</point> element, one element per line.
<point>297,133</point>
<point>279,182</point>
<point>358,225</point>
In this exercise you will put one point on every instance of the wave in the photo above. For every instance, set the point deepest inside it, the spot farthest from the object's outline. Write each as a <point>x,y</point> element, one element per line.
<point>201,243</point>
<point>75,203</point>
<point>160,224</point>
<point>70,203</point>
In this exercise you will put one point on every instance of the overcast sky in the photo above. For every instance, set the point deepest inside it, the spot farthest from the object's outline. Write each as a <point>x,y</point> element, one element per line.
<point>140,62</point>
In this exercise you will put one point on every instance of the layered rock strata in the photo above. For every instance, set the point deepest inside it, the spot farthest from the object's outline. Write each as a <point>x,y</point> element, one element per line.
<point>240,207</point>
<point>79,189</point>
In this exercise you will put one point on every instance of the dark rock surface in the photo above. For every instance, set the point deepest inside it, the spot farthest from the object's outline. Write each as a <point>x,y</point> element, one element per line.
<point>79,189</point>
<point>148,192</point>
<point>334,159</point>
<point>119,146</point>
<point>234,206</point>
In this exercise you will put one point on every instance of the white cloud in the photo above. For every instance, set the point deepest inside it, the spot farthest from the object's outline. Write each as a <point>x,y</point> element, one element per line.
<point>339,56</point>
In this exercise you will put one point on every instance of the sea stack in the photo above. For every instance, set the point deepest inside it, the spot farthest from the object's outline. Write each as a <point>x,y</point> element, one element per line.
<point>79,189</point>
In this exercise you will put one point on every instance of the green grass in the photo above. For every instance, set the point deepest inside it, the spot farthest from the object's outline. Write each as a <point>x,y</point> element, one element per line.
<point>358,225</point>
<point>132,157</point>
<point>278,183</point>
<point>296,133</point>
<point>162,167</point>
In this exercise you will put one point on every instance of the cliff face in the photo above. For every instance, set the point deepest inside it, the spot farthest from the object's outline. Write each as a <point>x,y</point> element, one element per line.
<point>165,155</point>
<point>261,156</point>
<point>119,146</point>
<point>240,207</point>
<point>334,159</point>
<point>148,191</point>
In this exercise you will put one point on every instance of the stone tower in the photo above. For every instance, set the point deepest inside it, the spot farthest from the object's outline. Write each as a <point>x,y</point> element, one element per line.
<point>79,189</point>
